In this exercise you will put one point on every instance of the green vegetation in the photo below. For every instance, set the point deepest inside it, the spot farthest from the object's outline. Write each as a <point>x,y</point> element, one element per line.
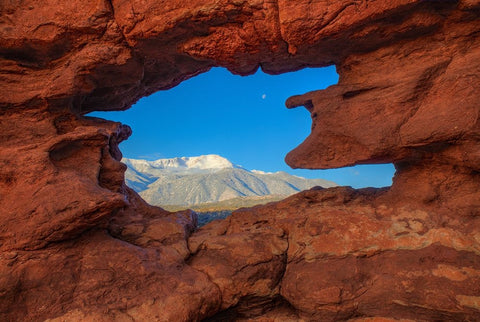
<point>221,210</point>
<point>230,204</point>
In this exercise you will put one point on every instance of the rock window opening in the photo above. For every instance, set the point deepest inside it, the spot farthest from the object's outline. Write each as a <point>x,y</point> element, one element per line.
<point>217,142</point>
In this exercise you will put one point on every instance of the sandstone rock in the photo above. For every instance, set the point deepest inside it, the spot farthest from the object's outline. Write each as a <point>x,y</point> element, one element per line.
<point>77,244</point>
<point>100,278</point>
<point>59,177</point>
<point>411,110</point>
<point>351,255</point>
<point>247,265</point>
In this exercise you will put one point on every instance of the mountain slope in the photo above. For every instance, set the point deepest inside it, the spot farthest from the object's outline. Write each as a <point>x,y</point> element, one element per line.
<point>210,178</point>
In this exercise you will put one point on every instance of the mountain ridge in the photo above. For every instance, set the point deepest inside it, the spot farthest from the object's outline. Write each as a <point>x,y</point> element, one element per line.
<point>187,181</point>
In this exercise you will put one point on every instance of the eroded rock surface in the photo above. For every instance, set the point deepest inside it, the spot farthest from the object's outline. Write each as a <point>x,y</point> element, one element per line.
<point>358,253</point>
<point>77,244</point>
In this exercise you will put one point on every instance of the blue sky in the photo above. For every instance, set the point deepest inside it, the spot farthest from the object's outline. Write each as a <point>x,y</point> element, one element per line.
<point>243,119</point>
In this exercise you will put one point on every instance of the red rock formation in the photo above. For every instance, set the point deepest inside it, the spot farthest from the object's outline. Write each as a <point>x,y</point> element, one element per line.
<point>355,254</point>
<point>77,244</point>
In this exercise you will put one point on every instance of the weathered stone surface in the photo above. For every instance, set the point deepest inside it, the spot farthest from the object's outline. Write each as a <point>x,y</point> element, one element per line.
<point>60,176</point>
<point>77,244</point>
<point>361,254</point>
<point>100,278</point>
<point>248,265</point>
<point>58,254</point>
<point>410,102</point>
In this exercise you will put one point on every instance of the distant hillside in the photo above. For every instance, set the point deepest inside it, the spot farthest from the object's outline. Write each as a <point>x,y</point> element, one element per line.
<point>230,204</point>
<point>190,181</point>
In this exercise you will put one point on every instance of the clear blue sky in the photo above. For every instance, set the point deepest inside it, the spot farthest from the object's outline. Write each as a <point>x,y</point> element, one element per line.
<point>243,119</point>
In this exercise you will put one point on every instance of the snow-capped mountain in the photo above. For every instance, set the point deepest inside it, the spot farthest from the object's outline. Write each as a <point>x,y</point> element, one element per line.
<point>183,164</point>
<point>189,181</point>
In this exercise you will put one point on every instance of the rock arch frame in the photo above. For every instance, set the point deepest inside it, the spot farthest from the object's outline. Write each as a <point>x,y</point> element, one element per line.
<point>78,244</point>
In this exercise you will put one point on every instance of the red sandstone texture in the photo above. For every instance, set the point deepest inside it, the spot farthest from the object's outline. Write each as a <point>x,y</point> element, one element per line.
<point>77,244</point>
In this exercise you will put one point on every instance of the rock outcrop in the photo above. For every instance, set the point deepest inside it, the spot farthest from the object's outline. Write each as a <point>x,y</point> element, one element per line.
<point>77,244</point>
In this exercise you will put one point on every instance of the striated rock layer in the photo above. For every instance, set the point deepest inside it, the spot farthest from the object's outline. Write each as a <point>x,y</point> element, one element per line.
<point>77,244</point>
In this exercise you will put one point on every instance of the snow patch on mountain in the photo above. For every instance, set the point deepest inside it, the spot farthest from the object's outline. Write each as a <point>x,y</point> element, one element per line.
<point>210,162</point>
<point>261,172</point>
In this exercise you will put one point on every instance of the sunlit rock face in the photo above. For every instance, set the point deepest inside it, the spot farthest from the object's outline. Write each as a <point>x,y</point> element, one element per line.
<point>77,244</point>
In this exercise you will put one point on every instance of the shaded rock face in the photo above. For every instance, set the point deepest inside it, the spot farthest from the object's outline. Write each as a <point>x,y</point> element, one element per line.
<point>77,244</point>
